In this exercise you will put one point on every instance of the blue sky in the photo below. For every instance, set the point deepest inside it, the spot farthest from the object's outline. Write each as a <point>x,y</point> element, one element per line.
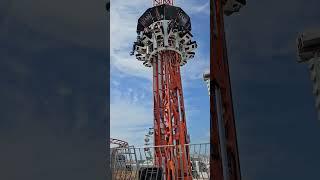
<point>131,112</point>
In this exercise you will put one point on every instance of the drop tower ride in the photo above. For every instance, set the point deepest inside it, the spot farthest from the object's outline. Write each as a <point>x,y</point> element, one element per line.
<point>164,43</point>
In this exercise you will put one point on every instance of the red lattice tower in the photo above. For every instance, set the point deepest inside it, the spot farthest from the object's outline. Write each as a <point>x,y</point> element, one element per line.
<point>165,43</point>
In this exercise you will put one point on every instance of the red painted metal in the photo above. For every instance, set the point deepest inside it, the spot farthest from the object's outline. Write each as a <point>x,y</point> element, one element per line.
<point>169,115</point>
<point>219,72</point>
<point>160,2</point>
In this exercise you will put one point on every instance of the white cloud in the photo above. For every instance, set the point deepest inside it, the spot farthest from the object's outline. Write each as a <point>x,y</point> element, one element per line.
<point>130,118</point>
<point>123,19</point>
<point>129,66</point>
<point>195,68</point>
<point>194,6</point>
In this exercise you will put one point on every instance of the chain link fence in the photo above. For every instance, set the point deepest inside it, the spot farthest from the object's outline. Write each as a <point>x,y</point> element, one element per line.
<point>139,163</point>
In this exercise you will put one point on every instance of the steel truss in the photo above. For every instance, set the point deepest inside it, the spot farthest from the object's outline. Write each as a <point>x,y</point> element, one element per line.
<point>169,114</point>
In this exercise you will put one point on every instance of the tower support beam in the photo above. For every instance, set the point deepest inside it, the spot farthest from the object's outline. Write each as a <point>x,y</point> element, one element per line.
<point>224,160</point>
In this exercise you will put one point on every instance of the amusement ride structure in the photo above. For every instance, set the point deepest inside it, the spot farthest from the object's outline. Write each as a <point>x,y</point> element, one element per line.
<point>164,43</point>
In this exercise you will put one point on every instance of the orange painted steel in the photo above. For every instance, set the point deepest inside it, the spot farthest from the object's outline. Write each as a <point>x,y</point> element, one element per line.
<point>169,115</point>
<point>220,79</point>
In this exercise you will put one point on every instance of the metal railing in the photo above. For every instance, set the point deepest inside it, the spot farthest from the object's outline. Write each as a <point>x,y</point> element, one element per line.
<point>140,163</point>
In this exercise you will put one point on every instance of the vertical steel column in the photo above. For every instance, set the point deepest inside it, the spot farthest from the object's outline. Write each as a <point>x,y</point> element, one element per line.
<point>157,109</point>
<point>216,168</point>
<point>221,131</point>
<point>219,72</point>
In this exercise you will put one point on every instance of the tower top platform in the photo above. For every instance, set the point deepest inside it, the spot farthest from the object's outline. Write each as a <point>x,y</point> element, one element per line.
<point>164,12</point>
